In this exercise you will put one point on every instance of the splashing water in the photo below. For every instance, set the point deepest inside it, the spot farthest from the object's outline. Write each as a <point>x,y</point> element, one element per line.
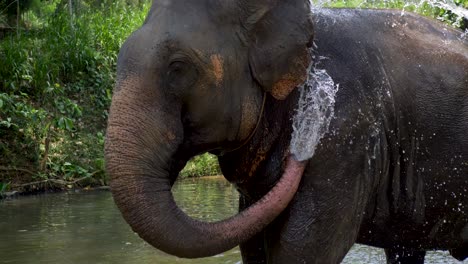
<point>449,5</point>
<point>313,114</point>
<point>460,11</point>
<point>317,95</point>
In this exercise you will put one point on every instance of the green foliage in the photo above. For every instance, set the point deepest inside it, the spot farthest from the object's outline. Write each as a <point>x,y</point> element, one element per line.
<point>55,88</point>
<point>12,10</point>
<point>202,165</point>
<point>4,188</point>
<point>10,6</point>
<point>428,8</point>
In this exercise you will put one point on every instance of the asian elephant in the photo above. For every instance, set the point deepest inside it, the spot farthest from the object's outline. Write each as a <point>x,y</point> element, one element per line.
<point>221,77</point>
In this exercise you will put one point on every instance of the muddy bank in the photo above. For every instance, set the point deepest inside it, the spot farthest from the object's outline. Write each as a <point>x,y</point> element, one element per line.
<point>52,186</point>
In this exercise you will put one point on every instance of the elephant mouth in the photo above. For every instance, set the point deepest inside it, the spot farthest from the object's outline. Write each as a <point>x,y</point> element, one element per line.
<point>222,151</point>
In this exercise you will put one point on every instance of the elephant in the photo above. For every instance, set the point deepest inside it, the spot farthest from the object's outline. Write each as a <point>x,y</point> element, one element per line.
<point>225,77</point>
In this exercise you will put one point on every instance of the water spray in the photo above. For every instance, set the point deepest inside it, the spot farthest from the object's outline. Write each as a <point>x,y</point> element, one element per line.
<point>450,5</point>
<point>314,112</point>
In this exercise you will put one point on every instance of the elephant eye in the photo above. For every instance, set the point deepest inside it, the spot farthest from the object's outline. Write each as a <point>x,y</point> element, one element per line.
<point>181,74</point>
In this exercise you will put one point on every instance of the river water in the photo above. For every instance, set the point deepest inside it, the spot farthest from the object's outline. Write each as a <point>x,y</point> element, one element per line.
<point>86,227</point>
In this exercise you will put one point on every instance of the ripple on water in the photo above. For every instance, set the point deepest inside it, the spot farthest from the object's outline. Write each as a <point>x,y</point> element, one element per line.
<point>88,228</point>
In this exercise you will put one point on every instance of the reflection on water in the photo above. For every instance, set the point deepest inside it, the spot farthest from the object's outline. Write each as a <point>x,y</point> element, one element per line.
<point>87,228</point>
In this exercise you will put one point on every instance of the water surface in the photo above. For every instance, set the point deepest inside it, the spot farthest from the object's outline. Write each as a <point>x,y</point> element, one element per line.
<point>86,227</point>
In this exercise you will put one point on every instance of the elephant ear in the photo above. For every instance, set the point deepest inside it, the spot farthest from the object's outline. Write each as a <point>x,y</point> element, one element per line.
<point>279,34</point>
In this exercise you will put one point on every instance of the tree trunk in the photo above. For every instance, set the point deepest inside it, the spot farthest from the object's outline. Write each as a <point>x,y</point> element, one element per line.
<point>70,10</point>
<point>17,18</point>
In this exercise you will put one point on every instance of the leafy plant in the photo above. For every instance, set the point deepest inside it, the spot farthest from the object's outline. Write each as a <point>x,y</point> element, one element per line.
<point>4,188</point>
<point>425,7</point>
<point>202,165</point>
<point>56,85</point>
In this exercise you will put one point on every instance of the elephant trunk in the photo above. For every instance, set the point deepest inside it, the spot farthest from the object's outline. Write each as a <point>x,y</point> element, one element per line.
<point>140,148</point>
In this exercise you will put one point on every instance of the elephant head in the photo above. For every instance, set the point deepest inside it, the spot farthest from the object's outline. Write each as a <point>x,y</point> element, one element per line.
<point>191,80</point>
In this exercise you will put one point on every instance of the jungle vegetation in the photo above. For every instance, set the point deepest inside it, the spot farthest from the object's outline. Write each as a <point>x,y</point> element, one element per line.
<point>57,70</point>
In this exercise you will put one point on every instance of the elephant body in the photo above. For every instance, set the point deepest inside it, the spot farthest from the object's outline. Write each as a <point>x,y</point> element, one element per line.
<point>221,77</point>
<point>393,170</point>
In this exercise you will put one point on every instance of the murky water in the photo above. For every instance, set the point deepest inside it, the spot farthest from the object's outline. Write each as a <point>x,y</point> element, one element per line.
<point>86,227</point>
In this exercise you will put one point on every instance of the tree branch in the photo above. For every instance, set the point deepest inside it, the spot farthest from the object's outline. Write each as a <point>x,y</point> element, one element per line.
<point>53,181</point>
<point>16,169</point>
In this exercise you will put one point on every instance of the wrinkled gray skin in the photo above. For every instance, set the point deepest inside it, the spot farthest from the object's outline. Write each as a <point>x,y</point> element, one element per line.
<point>392,172</point>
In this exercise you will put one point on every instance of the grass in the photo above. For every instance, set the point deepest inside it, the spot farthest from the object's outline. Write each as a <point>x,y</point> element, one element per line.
<point>202,165</point>
<point>56,83</point>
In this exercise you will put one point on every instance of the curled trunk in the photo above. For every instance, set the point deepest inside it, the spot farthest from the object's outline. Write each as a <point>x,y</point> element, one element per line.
<point>139,152</point>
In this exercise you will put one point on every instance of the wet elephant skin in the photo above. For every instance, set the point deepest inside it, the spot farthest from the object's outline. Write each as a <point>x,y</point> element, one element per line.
<point>392,171</point>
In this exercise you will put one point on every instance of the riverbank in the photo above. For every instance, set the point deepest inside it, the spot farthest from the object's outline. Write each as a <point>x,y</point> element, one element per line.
<point>56,80</point>
<point>16,194</point>
<point>200,166</point>
<point>76,186</point>
<point>51,186</point>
